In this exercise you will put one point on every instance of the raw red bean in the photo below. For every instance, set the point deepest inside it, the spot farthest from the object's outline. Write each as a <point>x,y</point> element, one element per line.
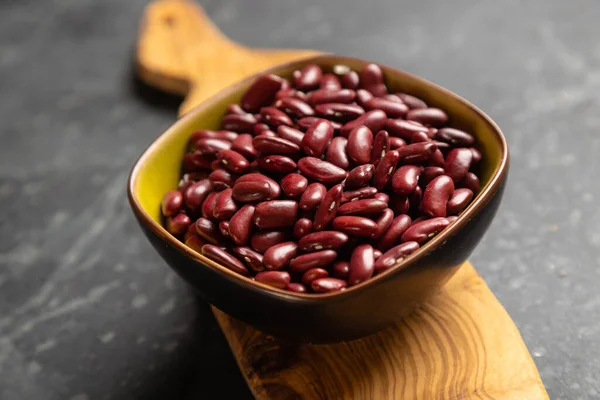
<point>458,162</point>
<point>275,189</point>
<point>312,274</point>
<point>253,259</point>
<point>392,97</point>
<point>342,96</point>
<point>362,207</point>
<point>261,92</point>
<point>291,134</point>
<point>330,82</point>
<point>275,145</point>
<point>396,142</point>
<point>406,179</point>
<point>293,185</point>
<point>171,203</point>
<point>404,129</point>
<point>276,164</point>
<point>436,196</point>
<point>194,196</point>
<point>340,269</point>
<point>336,152</point>
<point>302,227</point>
<point>205,134</point>
<point>470,181</point>
<point>374,120</point>
<point>428,116</point>
<point>400,204</point>
<point>295,107</point>
<point>221,179</point>
<point>429,174</point>
<point>419,137</point>
<point>385,168</point>
<point>360,142</point>
<point>263,240</point>
<point>455,137</point>
<point>415,199</point>
<point>436,159</point>
<point>425,230</point>
<point>211,146</point>
<point>243,145</point>
<point>296,287</point>
<point>239,123</point>
<point>420,219</point>
<point>233,161</point>
<point>371,79</point>
<point>362,264</point>
<point>224,228</point>
<point>308,77</point>
<point>394,256</point>
<point>411,101</point>
<point>377,254</point>
<point>195,242</point>
<point>353,225</point>
<point>190,164</point>
<point>291,93</point>
<point>459,200</point>
<point>360,176</point>
<point>476,155</point>
<point>225,206</point>
<point>312,260</point>
<point>209,205</point>
<point>383,222</point>
<point>249,191</point>
<point>215,253</point>
<point>322,240</point>
<point>312,196</point>
<point>240,226</point>
<point>380,146</point>
<point>178,224</point>
<point>391,108</point>
<point>417,152</point>
<point>328,207</point>
<point>261,128</point>
<point>317,138</point>
<point>321,171</point>
<point>339,111</point>
<point>275,214</point>
<point>189,232</point>
<point>216,164</point>
<point>276,279</point>
<point>362,193</point>
<point>363,96</point>
<point>306,122</point>
<point>392,236</point>
<point>452,218</point>
<point>328,285</point>
<point>382,197</point>
<point>350,80</point>
<point>278,256</point>
<point>275,117</point>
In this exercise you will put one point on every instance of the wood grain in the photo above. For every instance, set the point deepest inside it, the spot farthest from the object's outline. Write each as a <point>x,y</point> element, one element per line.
<point>460,345</point>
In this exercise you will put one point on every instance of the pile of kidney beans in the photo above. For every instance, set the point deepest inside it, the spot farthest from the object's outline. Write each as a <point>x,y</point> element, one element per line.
<point>321,182</point>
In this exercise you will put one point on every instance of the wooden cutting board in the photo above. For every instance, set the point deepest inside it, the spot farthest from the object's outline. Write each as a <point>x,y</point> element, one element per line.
<point>460,345</point>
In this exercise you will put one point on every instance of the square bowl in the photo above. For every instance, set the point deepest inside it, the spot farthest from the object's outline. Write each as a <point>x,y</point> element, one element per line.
<point>320,318</point>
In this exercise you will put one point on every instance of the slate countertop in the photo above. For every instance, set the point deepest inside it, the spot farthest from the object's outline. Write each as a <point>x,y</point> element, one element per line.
<point>89,311</point>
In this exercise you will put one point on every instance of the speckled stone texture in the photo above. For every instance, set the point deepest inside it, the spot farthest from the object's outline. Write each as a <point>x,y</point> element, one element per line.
<point>89,311</point>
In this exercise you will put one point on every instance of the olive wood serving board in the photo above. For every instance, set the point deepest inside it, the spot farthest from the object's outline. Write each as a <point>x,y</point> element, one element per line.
<point>460,345</point>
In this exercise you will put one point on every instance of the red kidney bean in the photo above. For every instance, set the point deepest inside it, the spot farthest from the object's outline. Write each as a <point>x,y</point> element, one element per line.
<point>189,178</point>
<point>275,189</point>
<point>211,146</point>
<point>239,123</point>
<point>224,228</point>
<point>312,274</point>
<point>458,162</point>
<point>391,108</point>
<point>415,199</point>
<point>371,79</point>
<point>328,207</point>
<point>419,137</point>
<point>382,197</point>
<point>383,222</point>
<point>420,219</point>
<point>243,145</point>
<point>360,142</point>
<point>328,285</point>
<point>296,287</point>
<point>225,206</point>
<point>268,133</point>
<point>380,146</point>
<point>400,204</point>
<point>393,97</point>
<point>275,145</point>
<point>188,165</point>
<point>476,155</point>
<point>205,134</point>
<point>362,207</point>
<point>291,134</point>
<point>293,185</point>
<point>275,117</point>
<point>308,77</point>
<point>253,259</point>
<point>321,171</point>
<point>295,107</point>
<point>394,256</point>
<point>336,152</point>
<point>263,240</point>
<point>330,82</point>
<point>436,159</point>
<point>470,181</point>
<point>350,80</point>
<point>406,179</point>
<point>240,226</point>
<point>377,254</point>
<point>322,96</point>
<point>429,174</point>
<point>209,205</point>
<point>362,193</point>
<point>215,253</point>
<point>306,122</point>
<point>411,101</point>
<point>385,169</point>
<point>312,196</point>
<point>208,230</point>
<point>291,93</point>
<point>340,269</point>
<point>261,92</point>
<point>250,191</point>
<point>233,161</point>
<point>360,176</point>
<point>215,165</point>
<point>261,128</point>
<point>374,120</point>
<point>417,152</point>
<point>395,143</point>
<point>404,129</point>
<point>323,240</point>
<point>459,200</point>
<point>277,164</point>
<point>276,279</point>
<point>196,161</point>
<point>194,196</point>
<point>221,179</point>
<point>452,218</point>
<point>171,203</point>
<point>317,138</point>
<point>275,214</point>
<point>278,256</point>
<point>425,230</point>
<point>362,264</point>
<point>455,137</point>
<point>312,260</point>
<point>392,235</point>
<point>353,225</point>
<point>436,196</point>
<point>189,232</point>
<point>428,116</point>
<point>339,111</point>
<point>363,96</point>
<point>302,227</point>
<point>178,224</point>
<point>194,241</point>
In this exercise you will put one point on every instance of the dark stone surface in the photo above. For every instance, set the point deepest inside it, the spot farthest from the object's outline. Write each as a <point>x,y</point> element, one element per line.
<point>87,308</point>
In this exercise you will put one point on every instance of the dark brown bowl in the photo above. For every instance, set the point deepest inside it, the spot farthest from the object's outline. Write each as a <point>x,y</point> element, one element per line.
<point>359,310</point>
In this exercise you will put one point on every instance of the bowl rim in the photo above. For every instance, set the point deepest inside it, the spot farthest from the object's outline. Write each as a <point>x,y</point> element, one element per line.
<point>479,202</point>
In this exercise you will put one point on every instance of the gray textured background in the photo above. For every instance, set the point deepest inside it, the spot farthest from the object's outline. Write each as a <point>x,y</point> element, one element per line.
<point>89,311</point>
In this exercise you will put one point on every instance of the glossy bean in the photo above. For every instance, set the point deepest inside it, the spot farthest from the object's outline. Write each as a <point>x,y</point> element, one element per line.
<point>189,232</point>
<point>470,181</point>
<point>291,134</point>
<point>391,108</point>
<point>314,273</point>
<point>239,123</point>
<point>276,164</point>
<point>436,196</point>
<point>321,171</point>
<point>225,205</point>
<point>411,101</point>
<point>275,190</point>
<point>328,285</point>
<point>224,228</point>
<point>400,204</point>
<point>353,225</point>
<point>302,227</point>
<point>362,193</point>
<point>262,92</point>
<point>416,152</point>
<point>289,92</point>
<point>362,207</point>
<point>404,129</point>
<point>308,261</point>
<point>209,205</point>
<point>360,176</point>
<point>406,179</point>
<point>212,146</point>
<point>394,256</point>
<point>312,196</point>
<point>249,191</point>
<point>263,240</point>
<point>293,185</point>
<point>323,240</point>
<point>375,120</point>
<point>360,142</point>
<point>396,142</point>
<point>429,174</point>
<point>275,145</point>
<point>392,235</point>
<point>350,80</point>
<point>328,207</point>
<point>425,230</point>
<point>296,287</point>
<point>222,179</point>
<point>253,259</point>
<point>384,221</point>
<point>452,218</point>
<point>382,197</point>
<point>317,138</point>
<point>428,116</point>
<point>342,96</point>
<point>206,134</point>
<point>362,264</point>
<point>273,116</point>
<point>279,256</point>
<point>392,97</point>
<point>458,162</point>
<point>415,199</point>
<point>275,214</point>
<point>195,194</point>
<point>455,137</point>
<point>195,242</point>
<point>219,255</point>
<point>171,203</point>
<point>308,77</point>
<point>436,159</point>
<point>178,224</point>
<point>363,96</point>
<point>216,164</point>
<point>476,155</point>
<point>340,269</point>
<point>336,152</point>
<point>294,107</point>
<point>386,168</point>
<point>263,129</point>
<point>240,225</point>
<point>330,82</point>
<point>276,279</point>
<point>233,161</point>
<point>371,79</point>
<point>339,111</point>
<point>380,146</point>
<point>459,201</point>
<point>419,137</point>
<point>243,145</point>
